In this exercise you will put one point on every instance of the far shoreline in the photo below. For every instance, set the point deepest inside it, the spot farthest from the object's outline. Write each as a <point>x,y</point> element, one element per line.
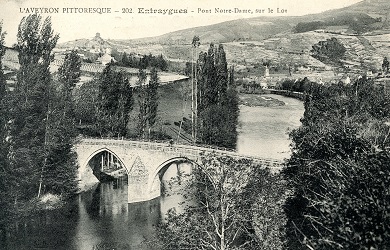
<point>259,100</point>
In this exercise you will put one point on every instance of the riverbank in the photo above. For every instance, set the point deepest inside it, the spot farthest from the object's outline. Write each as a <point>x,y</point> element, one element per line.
<point>45,202</point>
<point>297,95</point>
<point>251,100</point>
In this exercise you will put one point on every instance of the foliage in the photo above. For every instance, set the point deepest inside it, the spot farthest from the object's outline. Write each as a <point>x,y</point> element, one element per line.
<point>146,61</point>
<point>308,26</point>
<point>29,106</point>
<point>115,101</point>
<point>86,101</point>
<point>152,97</point>
<point>269,217</point>
<point>69,73</point>
<point>148,102</point>
<point>40,127</point>
<point>358,22</point>
<point>142,103</point>
<point>339,170</point>
<point>217,105</point>
<point>302,85</point>
<point>3,142</point>
<point>385,65</point>
<point>222,209</point>
<point>329,50</point>
<point>60,172</point>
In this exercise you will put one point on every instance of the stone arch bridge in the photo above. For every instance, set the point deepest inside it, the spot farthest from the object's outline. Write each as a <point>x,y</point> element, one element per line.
<point>145,162</point>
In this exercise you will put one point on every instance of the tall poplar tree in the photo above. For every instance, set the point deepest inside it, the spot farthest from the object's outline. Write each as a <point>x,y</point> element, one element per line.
<point>59,174</point>
<point>217,99</point>
<point>152,99</point>
<point>221,74</point>
<point>29,110</point>
<point>142,103</point>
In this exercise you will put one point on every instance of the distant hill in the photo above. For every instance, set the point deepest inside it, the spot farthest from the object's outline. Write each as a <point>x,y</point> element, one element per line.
<point>237,30</point>
<point>97,43</point>
<point>370,7</point>
<point>363,29</point>
<point>366,12</point>
<point>373,14</point>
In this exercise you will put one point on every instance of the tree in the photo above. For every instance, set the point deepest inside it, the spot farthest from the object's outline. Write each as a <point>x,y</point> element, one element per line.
<point>125,60</point>
<point>86,101</point>
<point>59,173</point>
<point>30,103</point>
<point>161,63</point>
<point>115,101</point>
<point>70,71</point>
<point>148,102</point>
<point>152,99</point>
<point>222,194</point>
<point>217,105</point>
<point>385,65</point>
<point>308,26</point>
<point>60,170</point>
<point>4,165</point>
<point>329,50</point>
<point>142,103</point>
<point>194,90</point>
<point>221,74</point>
<point>231,103</point>
<point>68,75</point>
<point>339,170</point>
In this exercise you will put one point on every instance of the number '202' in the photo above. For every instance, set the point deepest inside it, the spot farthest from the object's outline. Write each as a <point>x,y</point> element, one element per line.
<point>127,10</point>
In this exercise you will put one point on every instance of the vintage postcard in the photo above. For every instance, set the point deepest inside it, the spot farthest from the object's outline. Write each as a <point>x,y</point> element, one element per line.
<point>194,124</point>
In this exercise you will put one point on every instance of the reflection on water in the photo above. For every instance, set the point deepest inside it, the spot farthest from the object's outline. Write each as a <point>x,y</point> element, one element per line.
<point>102,219</point>
<point>106,219</point>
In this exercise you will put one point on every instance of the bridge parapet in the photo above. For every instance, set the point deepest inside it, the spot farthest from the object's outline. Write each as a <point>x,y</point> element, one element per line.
<point>181,150</point>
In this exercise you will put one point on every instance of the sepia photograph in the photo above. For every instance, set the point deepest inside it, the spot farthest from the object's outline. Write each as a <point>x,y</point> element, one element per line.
<point>194,124</point>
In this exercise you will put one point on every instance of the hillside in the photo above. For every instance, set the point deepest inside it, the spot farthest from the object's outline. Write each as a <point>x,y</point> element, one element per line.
<point>363,29</point>
<point>372,14</point>
<point>243,29</point>
<point>259,28</point>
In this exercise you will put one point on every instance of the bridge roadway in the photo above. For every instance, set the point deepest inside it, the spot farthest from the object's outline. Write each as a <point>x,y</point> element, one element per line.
<point>146,162</point>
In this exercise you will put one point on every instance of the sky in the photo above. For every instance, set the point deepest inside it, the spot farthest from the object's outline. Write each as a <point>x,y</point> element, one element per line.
<point>126,20</point>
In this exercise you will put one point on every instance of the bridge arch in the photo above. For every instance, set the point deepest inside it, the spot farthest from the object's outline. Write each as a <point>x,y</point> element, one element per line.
<point>161,169</point>
<point>96,152</point>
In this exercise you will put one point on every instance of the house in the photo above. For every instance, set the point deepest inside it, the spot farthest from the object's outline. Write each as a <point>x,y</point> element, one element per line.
<point>106,58</point>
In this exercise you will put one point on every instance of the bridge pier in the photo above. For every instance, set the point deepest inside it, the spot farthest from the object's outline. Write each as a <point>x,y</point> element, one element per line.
<point>86,179</point>
<point>138,190</point>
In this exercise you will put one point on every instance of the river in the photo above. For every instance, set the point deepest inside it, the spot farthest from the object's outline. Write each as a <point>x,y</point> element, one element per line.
<point>263,131</point>
<point>102,219</point>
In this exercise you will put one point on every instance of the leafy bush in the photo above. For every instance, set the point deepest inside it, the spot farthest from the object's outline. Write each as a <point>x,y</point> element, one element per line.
<point>339,169</point>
